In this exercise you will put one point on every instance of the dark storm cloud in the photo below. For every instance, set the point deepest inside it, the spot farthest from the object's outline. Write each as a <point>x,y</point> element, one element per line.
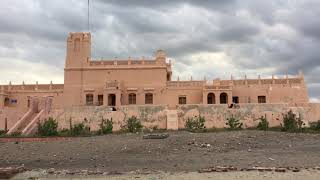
<point>204,37</point>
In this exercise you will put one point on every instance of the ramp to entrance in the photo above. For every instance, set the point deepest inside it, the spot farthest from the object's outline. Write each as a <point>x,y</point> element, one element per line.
<point>172,120</point>
<point>27,124</point>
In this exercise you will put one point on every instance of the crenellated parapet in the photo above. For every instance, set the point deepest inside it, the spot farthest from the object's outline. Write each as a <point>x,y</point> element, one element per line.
<point>228,84</point>
<point>159,60</point>
<point>5,89</point>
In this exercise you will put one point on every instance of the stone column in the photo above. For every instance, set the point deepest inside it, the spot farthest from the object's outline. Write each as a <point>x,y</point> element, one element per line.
<point>230,98</point>
<point>1,101</point>
<point>204,97</point>
<point>118,99</point>
<point>105,98</point>
<point>2,97</point>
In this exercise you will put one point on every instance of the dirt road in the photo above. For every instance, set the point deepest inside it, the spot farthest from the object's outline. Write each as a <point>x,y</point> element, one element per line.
<point>180,152</point>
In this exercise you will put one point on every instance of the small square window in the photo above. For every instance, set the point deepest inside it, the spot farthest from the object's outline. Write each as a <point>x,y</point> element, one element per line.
<point>182,100</point>
<point>262,99</point>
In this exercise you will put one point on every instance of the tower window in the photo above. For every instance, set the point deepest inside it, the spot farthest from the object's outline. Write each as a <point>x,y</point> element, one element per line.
<point>77,45</point>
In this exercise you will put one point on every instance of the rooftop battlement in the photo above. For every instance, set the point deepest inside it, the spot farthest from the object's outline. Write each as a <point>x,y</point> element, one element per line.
<point>79,35</point>
<point>30,87</point>
<point>217,83</point>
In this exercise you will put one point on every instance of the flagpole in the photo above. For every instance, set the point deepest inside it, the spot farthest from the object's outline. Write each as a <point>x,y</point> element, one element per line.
<point>88,15</point>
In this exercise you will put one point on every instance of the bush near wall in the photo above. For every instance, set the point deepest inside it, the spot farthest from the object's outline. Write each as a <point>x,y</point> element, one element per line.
<point>195,124</point>
<point>292,123</point>
<point>315,126</point>
<point>48,127</point>
<point>80,129</point>
<point>234,123</point>
<point>132,124</point>
<point>3,132</point>
<point>106,126</point>
<point>263,124</point>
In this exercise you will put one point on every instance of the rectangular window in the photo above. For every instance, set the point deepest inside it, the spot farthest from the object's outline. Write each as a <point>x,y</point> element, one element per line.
<point>182,100</point>
<point>235,99</point>
<point>149,98</point>
<point>89,99</point>
<point>262,99</point>
<point>100,100</point>
<point>132,98</point>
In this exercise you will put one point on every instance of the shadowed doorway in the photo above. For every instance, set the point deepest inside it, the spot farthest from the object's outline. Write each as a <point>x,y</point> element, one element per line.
<point>111,100</point>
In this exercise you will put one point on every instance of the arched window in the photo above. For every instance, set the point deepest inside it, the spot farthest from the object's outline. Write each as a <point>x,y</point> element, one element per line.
<point>77,45</point>
<point>6,101</point>
<point>211,98</point>
<point>149,98</point>
<point>223,98</point>
<point>132,98</point>
<point>89,99</point>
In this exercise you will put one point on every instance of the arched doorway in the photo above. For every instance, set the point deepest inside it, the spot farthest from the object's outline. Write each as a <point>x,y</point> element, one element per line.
<point>223,98</point>
<point>211,98</point>
<point>111,100</point>
<point>6,101</point>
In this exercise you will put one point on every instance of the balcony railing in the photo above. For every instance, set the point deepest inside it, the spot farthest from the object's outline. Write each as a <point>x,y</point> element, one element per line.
<point>112,84</point>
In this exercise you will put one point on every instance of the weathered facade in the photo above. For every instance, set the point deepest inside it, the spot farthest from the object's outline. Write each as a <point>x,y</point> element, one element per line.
<point>146,82</point>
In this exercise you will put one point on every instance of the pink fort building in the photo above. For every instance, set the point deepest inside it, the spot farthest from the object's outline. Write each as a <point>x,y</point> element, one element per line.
<point>143,88</point>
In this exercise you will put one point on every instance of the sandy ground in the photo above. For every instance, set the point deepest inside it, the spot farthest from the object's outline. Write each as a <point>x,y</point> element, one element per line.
<point>180,152</point>
<point>306,175</point>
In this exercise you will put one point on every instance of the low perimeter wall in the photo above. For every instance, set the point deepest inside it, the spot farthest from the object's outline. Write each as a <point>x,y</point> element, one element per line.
<point>150,116</point>
<point>156,115</point>
<point>249,114</point>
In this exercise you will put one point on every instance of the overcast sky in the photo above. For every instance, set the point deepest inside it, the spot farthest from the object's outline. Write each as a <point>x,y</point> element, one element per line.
<point>204,38</point>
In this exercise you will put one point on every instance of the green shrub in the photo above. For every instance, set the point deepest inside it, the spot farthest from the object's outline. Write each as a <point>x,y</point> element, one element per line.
<point>132,125</point>
<point>292,123</point>
<point>64,132</point>
<point>106,126</point>
<point>48,127</point>
<point>234,123</point>
<point>3,132</point>
<point>263,124</point>
<point>195,124</point>
<point>80,129</point>
<point>315,126</point>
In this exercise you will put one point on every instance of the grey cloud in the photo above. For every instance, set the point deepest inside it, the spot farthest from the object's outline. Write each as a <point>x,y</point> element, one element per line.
<point>246,31</point>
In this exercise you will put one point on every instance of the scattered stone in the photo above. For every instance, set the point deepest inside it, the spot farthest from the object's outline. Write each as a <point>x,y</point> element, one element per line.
<point>296,170</point>
<point>280,170</point>
<point>218,169</point>
<point>70,172</point>
<point>113,173</point>
<point>261,169</point>
<point>51,171</point>
<point>271,159</point>
<point>155,136</point>
<point>9,172</point>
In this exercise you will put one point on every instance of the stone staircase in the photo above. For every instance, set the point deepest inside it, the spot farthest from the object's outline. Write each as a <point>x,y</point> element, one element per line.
<point>27,124</point>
